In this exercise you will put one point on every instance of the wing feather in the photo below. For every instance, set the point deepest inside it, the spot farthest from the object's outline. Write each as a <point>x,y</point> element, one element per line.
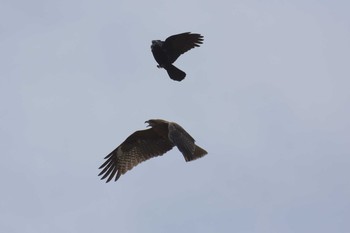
<point>138,147</point>
<point>179,44</point>
<point>183,140</point>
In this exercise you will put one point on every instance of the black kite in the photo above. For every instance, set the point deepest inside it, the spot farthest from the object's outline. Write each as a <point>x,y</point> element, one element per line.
<point>145,144</point>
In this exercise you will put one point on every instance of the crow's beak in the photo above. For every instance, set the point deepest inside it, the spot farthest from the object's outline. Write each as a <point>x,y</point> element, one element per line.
<point>147,123</point>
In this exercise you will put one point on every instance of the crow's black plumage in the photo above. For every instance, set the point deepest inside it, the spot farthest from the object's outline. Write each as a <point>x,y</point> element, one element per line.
<point>166,52</point>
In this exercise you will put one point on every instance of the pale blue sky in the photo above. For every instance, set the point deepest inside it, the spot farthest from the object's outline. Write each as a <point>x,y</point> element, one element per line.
<point>267,95</point>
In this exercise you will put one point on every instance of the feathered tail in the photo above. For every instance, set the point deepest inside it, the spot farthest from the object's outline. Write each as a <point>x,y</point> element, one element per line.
<point>198,153</point>
<point>175,73</point>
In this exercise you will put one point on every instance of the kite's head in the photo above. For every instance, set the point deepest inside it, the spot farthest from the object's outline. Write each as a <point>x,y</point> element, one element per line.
<point>153,122</point>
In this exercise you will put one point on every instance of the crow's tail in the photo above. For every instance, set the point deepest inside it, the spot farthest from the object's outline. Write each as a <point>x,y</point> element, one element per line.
<point>175,73</point>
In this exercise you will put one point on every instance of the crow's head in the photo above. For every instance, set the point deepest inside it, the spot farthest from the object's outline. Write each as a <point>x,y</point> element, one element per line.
<point>156,43</point>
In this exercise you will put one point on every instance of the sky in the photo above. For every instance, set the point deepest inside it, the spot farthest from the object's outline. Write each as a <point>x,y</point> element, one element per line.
<point>267,95</point>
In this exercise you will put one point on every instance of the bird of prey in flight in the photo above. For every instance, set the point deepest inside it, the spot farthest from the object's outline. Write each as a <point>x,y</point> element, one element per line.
<point>166,52</point>
<point>146,144</point>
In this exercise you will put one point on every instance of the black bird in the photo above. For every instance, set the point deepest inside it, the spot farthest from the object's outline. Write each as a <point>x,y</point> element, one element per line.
<point>166,52</point>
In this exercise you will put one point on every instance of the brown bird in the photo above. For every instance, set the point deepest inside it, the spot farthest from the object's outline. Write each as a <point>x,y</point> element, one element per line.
<point>166,52</point>
<point>145,144</point>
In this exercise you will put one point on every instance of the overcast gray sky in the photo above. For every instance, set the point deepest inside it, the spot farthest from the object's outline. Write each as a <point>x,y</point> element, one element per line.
<point>267,95</point>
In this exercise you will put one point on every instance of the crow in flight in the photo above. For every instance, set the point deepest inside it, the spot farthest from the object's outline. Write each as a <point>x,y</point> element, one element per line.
<point>166,52</point>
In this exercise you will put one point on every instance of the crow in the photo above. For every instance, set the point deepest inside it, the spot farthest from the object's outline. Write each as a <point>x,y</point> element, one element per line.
<point>166,52</point>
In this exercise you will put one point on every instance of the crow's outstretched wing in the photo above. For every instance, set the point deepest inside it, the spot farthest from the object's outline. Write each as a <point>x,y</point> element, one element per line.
<point>179,44</point>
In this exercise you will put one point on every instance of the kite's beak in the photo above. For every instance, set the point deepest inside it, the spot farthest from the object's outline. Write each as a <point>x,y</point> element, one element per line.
<point>147,123</point>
